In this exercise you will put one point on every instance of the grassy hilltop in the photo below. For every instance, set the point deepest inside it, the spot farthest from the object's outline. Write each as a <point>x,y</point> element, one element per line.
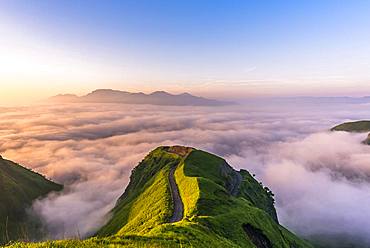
<point>18,188</point>
<point>355,126</point>
<point>221,207</point>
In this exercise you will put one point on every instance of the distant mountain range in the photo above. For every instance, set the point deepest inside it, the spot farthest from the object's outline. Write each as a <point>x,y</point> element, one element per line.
<point>155,98</point>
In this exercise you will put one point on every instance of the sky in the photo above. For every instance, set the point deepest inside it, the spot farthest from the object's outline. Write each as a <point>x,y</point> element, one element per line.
<point>223,49</point>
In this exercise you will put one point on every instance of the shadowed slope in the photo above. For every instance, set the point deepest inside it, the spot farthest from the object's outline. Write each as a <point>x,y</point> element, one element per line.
<point>221,207</point>
<point>218,203</point>
<point>356,126</point>
<point>18,188</point>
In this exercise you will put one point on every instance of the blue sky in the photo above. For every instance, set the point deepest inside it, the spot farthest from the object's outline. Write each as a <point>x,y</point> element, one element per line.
<point>217,48</point>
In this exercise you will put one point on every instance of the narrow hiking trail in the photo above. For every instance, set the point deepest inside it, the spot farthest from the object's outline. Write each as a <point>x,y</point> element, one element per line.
<point>178,206</point>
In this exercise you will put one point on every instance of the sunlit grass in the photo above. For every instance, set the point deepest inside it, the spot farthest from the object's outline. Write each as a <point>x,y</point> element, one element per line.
<point>213,217</point>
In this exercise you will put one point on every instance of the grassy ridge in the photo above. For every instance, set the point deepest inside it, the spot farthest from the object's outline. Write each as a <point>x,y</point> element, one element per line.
<point>259,196</point>
<point>18,188</point>
<point>356,126</point>
<point>189,191</point>
<point>214,215</point>
<point>224,214</point>
<point>146,201</point>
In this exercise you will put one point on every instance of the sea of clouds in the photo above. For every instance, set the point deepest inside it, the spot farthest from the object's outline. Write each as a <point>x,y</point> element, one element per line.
<point>321,179</point>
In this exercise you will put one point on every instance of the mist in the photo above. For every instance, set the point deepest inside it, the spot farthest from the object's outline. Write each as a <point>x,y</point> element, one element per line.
<point>321,179</point>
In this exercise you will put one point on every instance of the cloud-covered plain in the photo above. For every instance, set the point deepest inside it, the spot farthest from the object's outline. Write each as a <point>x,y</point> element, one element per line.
<point>321,179</point>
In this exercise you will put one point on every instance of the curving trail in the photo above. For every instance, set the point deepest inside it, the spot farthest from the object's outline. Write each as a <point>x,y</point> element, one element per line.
<point>178,206</point>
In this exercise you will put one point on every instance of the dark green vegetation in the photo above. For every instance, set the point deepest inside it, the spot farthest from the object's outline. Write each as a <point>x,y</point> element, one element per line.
<point>356,126</point>
<point>18,188</point>
<point>221,207</point>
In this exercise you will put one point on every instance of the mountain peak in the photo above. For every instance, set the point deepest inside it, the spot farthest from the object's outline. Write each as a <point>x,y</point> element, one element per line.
<point>106,91</point>
<point>353,126</point>
<point>160,92</point>
<point>182,151</point>
<point>185,94</point>
<point>212,204</point>
<point>182,196</point>
<point>362,126</point>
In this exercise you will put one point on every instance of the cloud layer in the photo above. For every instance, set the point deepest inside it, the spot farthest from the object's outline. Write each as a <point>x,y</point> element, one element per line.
<point>321,179</point>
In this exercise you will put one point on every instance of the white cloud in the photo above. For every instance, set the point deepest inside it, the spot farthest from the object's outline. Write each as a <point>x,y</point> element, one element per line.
<point>320,179</point>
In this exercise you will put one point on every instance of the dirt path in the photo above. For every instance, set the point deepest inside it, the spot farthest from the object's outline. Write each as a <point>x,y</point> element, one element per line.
<point>178,206</point>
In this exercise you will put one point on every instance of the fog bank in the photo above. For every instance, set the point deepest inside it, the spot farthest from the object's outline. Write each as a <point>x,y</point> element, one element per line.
<point>321,179</point>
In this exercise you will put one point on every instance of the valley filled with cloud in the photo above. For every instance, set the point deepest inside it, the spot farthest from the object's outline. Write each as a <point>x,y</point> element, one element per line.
<point>321,179</point>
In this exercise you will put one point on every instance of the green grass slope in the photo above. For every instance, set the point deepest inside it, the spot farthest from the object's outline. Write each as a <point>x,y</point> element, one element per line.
<point>146,201</point>
<point>18,188</point>
<point>222,207</point>
<point>214,216</point>
<point>356,126</point>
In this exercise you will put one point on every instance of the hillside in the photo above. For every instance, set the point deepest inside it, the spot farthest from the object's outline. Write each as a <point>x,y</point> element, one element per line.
<point>155,98</point>
<point>18,188</point>
<point>356,126</point>
<point>221,207</point>
<point>183,197</point>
